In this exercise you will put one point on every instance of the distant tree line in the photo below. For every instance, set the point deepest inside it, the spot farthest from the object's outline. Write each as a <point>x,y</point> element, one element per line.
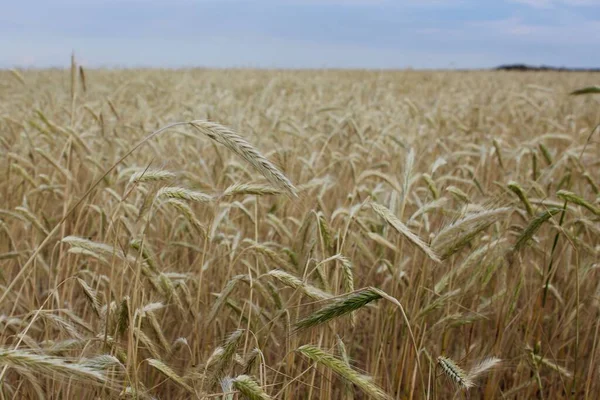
<point>526,67</point>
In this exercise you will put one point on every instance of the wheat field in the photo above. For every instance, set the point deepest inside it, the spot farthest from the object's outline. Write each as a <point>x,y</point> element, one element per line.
<point>298,235</point>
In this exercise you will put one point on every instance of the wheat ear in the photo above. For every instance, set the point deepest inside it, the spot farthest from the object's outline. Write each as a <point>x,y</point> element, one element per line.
<point>455,373</point>
<point>395,222</point>
<point>249,388</point>
<point>341,306</point>
<point>245,150</point>
<point>343,370</point>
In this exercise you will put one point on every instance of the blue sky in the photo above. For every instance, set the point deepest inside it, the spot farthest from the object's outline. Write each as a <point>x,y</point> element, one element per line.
<point>300,33</point>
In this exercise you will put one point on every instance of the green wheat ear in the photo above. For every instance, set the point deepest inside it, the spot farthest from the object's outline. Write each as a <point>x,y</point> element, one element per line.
<point>534,226</point>
<point>339,307</point>
<point>575,199</point>
<point>518,190</point>
<point>586,90</point>
<point>249,388</point>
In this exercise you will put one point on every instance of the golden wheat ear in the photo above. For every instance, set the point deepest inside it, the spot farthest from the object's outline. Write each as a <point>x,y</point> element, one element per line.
<point>245,150</point>
<point>395,222</point>
<point>84,370</point>
<point>329,361</point>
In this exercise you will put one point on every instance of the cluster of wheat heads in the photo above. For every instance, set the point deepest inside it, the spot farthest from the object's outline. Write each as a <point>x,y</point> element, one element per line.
<point>332,234</point>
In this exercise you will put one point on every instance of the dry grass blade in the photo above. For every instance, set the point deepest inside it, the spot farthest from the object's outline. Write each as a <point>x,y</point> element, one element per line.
<point>342,369</point>
<point>10,255</point>
<point>391,219</point>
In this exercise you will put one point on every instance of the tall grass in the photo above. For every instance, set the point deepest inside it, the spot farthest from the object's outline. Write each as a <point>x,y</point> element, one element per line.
<point>247,251</point>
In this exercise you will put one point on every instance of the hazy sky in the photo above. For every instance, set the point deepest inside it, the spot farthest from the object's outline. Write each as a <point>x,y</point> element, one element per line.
<point>300,33</point>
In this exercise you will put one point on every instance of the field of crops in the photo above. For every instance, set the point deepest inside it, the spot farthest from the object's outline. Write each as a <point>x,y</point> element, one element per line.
<point>299,235</point>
